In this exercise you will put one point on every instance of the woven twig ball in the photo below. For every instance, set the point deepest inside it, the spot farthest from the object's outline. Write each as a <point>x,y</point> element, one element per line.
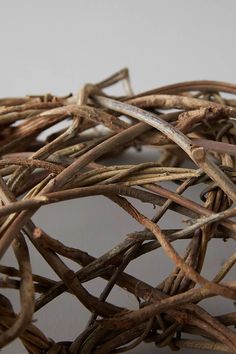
<point>191,126</point>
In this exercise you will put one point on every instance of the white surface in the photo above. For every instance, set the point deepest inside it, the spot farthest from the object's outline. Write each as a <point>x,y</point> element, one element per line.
<point>57,46</point>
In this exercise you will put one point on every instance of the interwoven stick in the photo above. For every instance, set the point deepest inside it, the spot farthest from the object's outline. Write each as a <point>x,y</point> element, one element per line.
<point>198,128</point>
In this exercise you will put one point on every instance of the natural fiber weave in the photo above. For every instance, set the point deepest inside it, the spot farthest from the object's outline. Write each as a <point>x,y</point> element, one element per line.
<point>191,122</point>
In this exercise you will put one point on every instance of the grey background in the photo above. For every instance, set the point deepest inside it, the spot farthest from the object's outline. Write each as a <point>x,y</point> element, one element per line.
<point>57,46</point>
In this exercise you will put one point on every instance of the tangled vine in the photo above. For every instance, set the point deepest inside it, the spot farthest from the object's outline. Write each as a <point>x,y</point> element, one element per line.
<point>191,122</point>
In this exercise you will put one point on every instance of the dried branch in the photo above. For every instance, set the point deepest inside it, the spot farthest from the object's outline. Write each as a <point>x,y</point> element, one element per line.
<point>189,123</point>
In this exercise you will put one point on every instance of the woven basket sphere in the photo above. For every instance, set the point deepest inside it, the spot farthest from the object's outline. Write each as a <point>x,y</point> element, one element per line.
<point>55,149</point>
